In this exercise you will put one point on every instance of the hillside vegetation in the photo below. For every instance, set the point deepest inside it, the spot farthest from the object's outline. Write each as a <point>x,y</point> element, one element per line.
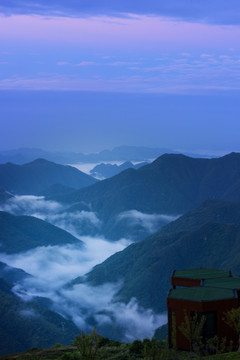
<point>206,237</point>
<point>83,348</point>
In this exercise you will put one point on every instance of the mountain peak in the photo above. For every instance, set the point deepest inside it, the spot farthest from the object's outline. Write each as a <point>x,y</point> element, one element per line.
<point>232,155</point>
<point>38,175</point>
<point>40,161</point>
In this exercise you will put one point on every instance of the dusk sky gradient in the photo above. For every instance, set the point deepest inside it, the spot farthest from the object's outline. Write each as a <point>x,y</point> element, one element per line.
<point>82,77</point>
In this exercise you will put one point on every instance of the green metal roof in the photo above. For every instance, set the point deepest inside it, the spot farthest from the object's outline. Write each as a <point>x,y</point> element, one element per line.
<point>201,273</point>
<point>201,294</point>
<point>227,283</point>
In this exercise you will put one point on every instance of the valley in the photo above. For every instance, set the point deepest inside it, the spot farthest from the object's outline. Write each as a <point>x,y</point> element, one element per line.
<point>76,255</point>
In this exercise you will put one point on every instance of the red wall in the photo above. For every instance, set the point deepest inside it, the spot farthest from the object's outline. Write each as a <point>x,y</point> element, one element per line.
<point>179,307</point>
<point>185,282</point>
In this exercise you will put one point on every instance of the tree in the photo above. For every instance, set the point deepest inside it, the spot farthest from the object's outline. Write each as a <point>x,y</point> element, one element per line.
<point>192,328</point>
<point>136,348</point>
<point>152,349</point>
<point>88,345</point>
<point>232,319</point>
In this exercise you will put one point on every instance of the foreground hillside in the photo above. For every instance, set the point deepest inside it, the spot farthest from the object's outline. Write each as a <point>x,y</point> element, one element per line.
<point>206,237</point>
<point>113,350</point>
<point>33,178</point>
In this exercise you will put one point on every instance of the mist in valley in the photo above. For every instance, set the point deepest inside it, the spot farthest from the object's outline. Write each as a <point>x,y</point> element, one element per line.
<point>53,268</point>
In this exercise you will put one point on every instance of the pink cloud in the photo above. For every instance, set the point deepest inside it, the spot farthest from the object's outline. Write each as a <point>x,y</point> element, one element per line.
<point>87,63</point>
<point>122,63</point>
<point>133,33</point>
<point>63,63</point>
<point>82,63</point>
<point>187,78</point>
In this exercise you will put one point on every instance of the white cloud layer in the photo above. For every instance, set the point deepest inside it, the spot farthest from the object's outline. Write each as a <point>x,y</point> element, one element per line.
<point>151,222</point>
<point>53,267</point>
<point>52,212</point>
<point>80,223</point>
<point>31,205</point>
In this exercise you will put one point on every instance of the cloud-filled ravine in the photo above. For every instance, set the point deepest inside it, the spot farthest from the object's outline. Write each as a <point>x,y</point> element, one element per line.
<point>54,267</point>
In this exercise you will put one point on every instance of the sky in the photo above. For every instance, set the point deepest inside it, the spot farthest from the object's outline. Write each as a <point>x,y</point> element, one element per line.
<point>79,76</point>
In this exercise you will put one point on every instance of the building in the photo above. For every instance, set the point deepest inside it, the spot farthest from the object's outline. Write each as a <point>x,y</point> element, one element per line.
<point>206,292</point>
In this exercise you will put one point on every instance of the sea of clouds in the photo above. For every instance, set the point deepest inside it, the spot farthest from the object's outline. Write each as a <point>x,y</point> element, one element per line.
<point>53,267</point>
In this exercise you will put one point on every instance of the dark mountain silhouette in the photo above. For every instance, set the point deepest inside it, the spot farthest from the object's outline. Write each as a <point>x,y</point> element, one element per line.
<point>34,177</point>
<point>173,184</point>
<point>206,237</point>
<point>21,233</point>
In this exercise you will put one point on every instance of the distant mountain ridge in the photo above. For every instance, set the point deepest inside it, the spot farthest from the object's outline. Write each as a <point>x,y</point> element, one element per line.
<point>120,153</point>
<point>108,170</point>
<point>172,184</point>
<point>34,177</point>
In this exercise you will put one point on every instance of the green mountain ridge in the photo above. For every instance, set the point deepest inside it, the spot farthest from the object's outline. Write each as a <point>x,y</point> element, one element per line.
<point>22,233</point>
<point>34,177</point>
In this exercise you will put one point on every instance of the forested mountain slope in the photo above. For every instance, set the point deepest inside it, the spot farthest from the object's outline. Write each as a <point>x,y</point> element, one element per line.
<point>21,233</point>
<point>172,184</point>
<point>191,241</point>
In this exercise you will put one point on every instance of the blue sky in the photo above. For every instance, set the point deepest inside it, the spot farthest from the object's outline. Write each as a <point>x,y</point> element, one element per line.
<point>180,59</point>
<point>213,11</point>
